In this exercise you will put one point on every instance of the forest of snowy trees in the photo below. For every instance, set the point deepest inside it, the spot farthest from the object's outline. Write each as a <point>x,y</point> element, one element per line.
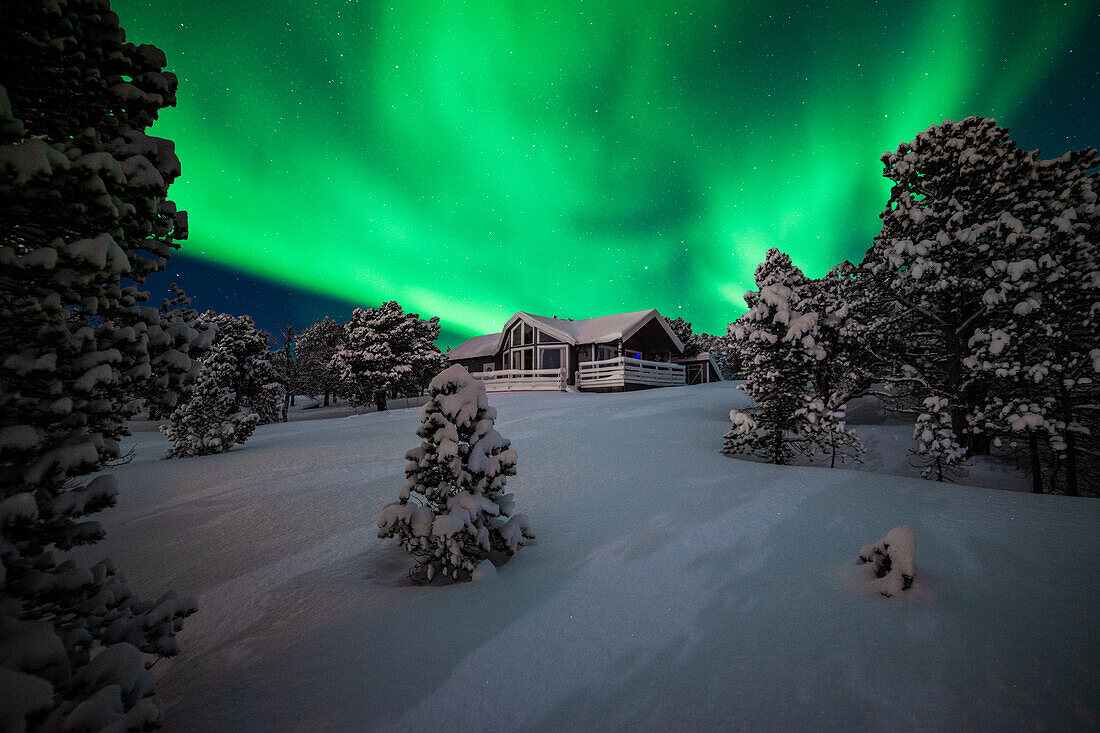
<point>974,311</point>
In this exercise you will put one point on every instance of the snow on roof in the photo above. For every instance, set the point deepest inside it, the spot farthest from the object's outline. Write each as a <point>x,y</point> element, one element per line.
<point>477,346</point>
<point>602,329</point>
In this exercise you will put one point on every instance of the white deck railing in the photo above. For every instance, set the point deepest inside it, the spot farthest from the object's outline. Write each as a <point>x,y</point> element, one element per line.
<point>624,370</point>
<point>509,380</point>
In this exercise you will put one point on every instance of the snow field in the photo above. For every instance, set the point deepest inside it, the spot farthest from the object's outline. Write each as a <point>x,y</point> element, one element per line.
<point>671,587</point>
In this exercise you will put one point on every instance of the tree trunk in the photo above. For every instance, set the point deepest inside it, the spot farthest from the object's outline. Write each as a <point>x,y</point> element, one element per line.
<point>380,400</point>
<point>326,398</point>
<point>1071,465</point>
<point>292,400</point>
<point>1071,445</point>
<point>287,400</point>
<point>1036,465</point>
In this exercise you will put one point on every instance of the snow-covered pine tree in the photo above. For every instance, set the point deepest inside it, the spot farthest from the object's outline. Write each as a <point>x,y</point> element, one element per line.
<point>938,453</point>
<point>211,419</point>
<point>683,331</point>
<point>84,218</point>
<point>236,390</point>
<point>1044,326</point>
<point>176,343</point>
<point>316,349</point>
<point>252,379</point>
<point>387,351</point>
<point>778,339</point>
<point>364,361</point>
<point>952,184</point>
<point>452,512</point>
<point>423,356</point>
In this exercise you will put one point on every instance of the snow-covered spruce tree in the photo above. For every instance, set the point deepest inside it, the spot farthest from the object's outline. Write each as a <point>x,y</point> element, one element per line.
<point>1040,344</point>
<point>84,218</point>
<point>452,513</point>
<point>386,351</point>
<point>778,340</point>
<point>938,453</point>
<point>316,348</point>
<point>176,343</point>
<point>952,184</point>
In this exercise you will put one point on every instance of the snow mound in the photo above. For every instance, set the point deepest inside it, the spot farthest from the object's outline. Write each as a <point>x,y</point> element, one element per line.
<point>893,558</point>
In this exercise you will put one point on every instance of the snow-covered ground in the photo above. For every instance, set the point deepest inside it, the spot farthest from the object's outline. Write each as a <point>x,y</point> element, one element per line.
<point>672,588</point>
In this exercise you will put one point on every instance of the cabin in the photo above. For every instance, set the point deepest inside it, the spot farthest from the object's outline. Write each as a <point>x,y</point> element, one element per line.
<point>613,353</point>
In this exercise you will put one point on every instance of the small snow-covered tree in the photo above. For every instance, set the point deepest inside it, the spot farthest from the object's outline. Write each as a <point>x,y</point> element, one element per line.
<point>452,512</point>
<point>938,453</point>
<point>84,219</point>
<point>894,559</point>
<point>236,390</point>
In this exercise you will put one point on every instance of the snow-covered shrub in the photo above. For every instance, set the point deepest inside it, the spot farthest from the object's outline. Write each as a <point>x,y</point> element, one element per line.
<point>84,219</point>
<point>893,556</point>
<point>938,453</point>
<point>452,513</point>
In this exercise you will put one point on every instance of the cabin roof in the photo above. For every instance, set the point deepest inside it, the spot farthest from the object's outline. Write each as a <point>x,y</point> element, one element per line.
<point>603,329</point>
<point>477,346</point>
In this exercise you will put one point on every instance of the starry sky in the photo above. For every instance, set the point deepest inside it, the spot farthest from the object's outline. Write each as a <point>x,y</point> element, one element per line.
<point>575,158</point>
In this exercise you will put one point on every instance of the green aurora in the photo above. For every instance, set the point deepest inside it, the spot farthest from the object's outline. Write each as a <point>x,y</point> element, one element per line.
<point>576,158</point>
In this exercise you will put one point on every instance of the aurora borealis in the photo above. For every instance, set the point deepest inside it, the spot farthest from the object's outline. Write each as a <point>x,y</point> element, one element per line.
<point>472,159</point>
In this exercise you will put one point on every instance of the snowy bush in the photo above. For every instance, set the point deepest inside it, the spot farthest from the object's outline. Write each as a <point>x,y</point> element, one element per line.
<point>938,454</point>
<point>452,513</point>
<point>893,557</point>
<point>84,219</point>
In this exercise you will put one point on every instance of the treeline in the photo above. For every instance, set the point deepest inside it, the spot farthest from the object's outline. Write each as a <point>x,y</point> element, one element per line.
<point>243,376</point>
<point>974,311</point>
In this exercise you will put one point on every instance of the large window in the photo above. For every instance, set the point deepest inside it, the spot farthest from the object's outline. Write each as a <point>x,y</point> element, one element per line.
<point>552,358</point>
<point>606,352</point>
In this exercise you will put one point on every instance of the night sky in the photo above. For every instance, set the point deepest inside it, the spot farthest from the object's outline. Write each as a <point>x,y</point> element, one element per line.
<point>472,159</point>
